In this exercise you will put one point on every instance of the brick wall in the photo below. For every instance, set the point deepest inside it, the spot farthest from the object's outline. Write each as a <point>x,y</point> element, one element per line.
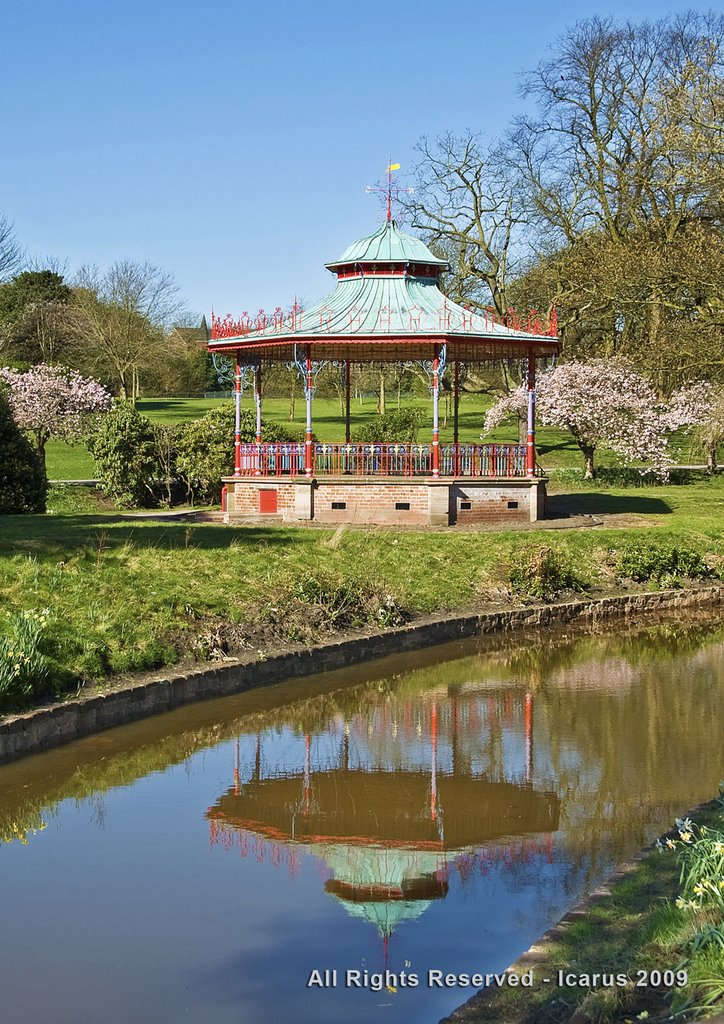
<point>371,503</point>
<point>489,504</point>
<point>243,497</point>
<point>375,501</point>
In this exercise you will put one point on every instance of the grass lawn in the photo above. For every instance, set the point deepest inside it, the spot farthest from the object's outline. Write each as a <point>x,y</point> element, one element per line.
<point>556,448</point>
<point>126,594</point>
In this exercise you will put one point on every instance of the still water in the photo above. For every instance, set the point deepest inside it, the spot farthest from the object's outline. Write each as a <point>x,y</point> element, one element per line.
<point>435,811</point>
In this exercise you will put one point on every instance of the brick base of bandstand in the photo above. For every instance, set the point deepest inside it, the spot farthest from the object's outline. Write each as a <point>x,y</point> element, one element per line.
<point>392,501</point>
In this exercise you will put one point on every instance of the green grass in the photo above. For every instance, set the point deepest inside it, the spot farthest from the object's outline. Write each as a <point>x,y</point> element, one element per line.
<point>128,594</point>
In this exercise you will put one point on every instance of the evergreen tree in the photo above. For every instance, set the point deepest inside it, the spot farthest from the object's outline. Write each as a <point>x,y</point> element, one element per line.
<point>23,483</point>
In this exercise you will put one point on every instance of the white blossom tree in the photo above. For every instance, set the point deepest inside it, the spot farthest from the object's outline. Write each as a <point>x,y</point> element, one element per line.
<point>700,404</point>
<point>54,401</point>
<point>600,403</point>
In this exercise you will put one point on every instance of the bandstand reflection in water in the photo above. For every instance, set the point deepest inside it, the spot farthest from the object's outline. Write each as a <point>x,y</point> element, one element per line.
<point>392,800</point>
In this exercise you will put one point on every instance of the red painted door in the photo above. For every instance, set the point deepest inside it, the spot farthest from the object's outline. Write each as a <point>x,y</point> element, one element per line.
<point>268,500</point>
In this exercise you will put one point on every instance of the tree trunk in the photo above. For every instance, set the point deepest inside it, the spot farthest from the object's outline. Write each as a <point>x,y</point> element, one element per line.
<point>40,439</point>
<point>292,398</point>
<point>522,429</point>
<point>711,458</point>
<point>381,402</point>
<point>588,451</point>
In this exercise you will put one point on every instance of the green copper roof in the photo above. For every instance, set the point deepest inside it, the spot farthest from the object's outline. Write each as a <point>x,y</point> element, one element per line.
<point>383,305</point>
<point>388,245</point>
<point>383,302</point>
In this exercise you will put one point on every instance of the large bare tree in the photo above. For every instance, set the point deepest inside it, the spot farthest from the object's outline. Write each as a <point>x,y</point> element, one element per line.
<point>122,316</point>
<point>11,252</point>
<point>464,203</point>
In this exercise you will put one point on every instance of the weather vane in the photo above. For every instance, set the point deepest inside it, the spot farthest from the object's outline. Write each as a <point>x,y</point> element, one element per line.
<point>389,189</point>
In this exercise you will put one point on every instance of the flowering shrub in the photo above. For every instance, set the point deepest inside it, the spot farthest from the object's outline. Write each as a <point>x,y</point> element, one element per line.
<point>24,668</point>
<point>599,403</point>
<point>699,405</point>
<point>700,852</point>
<point>54,401</point>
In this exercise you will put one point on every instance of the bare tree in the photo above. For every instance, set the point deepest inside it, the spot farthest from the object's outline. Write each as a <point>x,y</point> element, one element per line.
<point>598,155</point>
<point>122,315</point>
<point>464,202</point>
<point>11,253</point>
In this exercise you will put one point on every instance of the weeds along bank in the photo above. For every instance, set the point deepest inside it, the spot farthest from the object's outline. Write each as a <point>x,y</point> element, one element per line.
<point>87,596</point>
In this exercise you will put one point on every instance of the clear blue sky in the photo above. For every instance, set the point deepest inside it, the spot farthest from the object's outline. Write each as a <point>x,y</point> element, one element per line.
<point>230,141</point>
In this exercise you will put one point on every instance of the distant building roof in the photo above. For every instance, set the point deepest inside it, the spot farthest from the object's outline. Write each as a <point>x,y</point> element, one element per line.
<point>201,334</point>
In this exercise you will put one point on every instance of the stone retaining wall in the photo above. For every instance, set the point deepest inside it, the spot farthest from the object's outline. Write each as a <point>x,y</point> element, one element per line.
<point>62,722</point>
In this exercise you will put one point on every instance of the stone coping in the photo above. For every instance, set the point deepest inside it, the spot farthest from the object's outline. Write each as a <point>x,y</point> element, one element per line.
<point>59,723</point>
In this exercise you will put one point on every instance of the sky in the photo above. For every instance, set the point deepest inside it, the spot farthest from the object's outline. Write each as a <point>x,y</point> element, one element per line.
<point>230,142</point>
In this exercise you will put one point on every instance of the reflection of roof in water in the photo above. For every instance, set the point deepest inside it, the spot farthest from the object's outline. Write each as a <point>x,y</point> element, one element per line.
<point>385,916</point>
<point>388,809</point>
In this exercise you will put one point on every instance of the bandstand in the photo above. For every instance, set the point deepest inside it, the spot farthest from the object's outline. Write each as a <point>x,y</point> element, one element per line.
<point>387,307</point>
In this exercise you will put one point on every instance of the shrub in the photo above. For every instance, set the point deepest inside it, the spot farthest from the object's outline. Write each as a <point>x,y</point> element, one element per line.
<point>392,428</point>
<point>23,484</point>
<point>123,449</point>
<point>205,449</point>
<point>543,574</point>
<point>660,563</point>
<point>325,603</point>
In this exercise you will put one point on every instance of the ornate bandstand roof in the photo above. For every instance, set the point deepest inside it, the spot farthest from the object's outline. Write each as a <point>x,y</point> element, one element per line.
<point>363,808</point>
<point>388,245</point>
<point>387,306</point>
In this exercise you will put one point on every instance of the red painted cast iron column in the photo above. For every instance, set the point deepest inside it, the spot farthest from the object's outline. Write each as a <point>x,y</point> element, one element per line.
<point>347,424</point>
<point>435,412</point>
<point>456,402</point>
<point>530,452</point>
<point>308,394</point>
<point>237,416</point>
<point>257,399</point>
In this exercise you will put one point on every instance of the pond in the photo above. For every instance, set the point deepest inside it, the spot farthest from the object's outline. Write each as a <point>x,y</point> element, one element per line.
<point>433,812</point>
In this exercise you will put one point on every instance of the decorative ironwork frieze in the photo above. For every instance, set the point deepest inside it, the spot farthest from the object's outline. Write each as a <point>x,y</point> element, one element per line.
<point>305,371</point>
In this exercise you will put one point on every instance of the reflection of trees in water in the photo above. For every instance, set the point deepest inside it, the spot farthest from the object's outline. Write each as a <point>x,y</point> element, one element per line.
<point>650,752</point>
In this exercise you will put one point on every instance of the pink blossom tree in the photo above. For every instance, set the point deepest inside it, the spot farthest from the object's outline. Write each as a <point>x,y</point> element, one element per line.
<point>601,402</point>
<point>699,404</point>
<point>54,401</point>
